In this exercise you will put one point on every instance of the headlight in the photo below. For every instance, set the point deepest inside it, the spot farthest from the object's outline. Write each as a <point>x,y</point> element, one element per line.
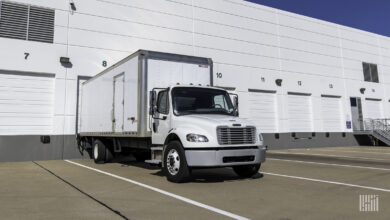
<point>197,138</point>
<point>260,137</point>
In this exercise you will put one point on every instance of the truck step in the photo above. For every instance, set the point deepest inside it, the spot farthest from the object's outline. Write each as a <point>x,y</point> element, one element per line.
<point>156,148</point>
<point>154,162</point>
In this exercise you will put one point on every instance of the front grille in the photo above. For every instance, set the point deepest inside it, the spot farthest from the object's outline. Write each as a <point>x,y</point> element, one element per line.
<point>231,136</point>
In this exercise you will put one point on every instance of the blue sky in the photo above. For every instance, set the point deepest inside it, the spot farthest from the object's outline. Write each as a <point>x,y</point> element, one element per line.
<point>368,15</point>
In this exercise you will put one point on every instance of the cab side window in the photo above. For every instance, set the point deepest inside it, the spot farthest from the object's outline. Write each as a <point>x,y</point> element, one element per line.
<point>220,102</point>
<point>162,102</point>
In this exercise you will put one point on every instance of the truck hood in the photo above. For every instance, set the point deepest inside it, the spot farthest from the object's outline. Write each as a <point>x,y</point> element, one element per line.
<point>212,120</point>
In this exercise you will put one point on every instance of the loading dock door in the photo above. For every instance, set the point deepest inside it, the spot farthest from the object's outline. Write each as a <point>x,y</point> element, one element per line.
<point>262,110</point>
<point>300,112</point>
<point>372,109</point>
<point>332,119</point>
<point>26,103</point>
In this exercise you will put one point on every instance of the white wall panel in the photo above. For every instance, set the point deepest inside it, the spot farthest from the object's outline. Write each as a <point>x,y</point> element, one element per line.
<point>384,74</point>
<point>241,8</point>
<point>180,8</point>
<point>331,66</point>
<point>310,47</point>
<point>149,12</point>
<point>236,33</point>
<point>232,76</point>
<point>239,21</point>
<point>291,32</point>
<point>361,56</point>
<point>238,59</point>
<point>61,18</point>
<point>43,58</point>
<point>300,22</point>
<point>330,86</point>
<point>124,43</point>
<point>60,35</point>
<point>309,68</point>
<point>360,46</point>
<point>359,36</point>
<point>71,97</point>
<point>256,50</point>
<point>385,46</point>
<point>144,29</point>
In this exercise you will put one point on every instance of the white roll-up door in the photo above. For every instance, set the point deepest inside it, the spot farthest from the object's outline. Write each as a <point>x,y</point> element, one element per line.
<point>372,109</point>
<point>332,117</point>
<point>300,112</point>
<point>263,110</point>
<point>26,103</point>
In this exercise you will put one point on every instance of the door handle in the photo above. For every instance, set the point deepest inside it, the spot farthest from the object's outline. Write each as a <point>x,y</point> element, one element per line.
<point>163,118</point>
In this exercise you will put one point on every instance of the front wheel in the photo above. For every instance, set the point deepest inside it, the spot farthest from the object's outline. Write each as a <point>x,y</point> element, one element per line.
<point>247,171</point>
<point>175,163</point>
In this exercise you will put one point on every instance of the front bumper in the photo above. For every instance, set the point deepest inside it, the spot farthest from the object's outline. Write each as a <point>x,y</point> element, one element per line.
<point>222,158</point>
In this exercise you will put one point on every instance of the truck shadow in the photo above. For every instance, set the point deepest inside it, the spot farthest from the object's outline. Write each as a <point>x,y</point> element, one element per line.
<point>218,175</point>
<point>213,175</point>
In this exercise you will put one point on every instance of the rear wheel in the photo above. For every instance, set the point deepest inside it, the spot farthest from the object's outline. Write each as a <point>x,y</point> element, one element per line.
<point>247,171</point>
<point>99,151</point>
<point>175,163</point>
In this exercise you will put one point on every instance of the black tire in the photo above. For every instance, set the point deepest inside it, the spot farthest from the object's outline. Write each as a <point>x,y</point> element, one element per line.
<point>247,171</point>
<point>109,154</point>
<point>180,174</point>
<point>99,152</point>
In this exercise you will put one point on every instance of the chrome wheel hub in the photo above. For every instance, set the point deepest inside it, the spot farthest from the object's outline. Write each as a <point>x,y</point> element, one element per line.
<point>173,162</point>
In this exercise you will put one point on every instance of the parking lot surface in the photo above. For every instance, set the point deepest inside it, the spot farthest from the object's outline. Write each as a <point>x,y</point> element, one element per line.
<point>320,183</point>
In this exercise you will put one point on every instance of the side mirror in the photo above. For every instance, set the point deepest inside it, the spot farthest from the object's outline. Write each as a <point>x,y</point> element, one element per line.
<point>235,103</point>
<point>152,102</point>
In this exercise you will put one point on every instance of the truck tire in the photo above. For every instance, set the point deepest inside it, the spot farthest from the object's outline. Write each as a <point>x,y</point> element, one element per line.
<point>109,154</point>
<point>99,152</point>
<point>175,163</point>
<point>247,171</point>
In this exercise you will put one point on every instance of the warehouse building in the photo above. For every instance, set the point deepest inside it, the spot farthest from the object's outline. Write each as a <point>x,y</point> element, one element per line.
<point>304,81</point>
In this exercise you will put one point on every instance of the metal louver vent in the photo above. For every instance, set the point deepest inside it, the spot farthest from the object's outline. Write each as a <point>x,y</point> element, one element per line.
<point>26,22</point>
<point>13,20</point>
<point>41,24</point>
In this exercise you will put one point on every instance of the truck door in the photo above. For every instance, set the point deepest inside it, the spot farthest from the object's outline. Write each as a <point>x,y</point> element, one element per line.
<point>117,120</point>
<point>161,120</point>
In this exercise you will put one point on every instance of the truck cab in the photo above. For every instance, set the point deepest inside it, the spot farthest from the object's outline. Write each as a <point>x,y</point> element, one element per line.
<point>197,127</point>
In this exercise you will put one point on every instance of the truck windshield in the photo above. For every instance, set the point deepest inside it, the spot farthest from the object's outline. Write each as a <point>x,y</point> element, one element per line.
<point>188,100</point>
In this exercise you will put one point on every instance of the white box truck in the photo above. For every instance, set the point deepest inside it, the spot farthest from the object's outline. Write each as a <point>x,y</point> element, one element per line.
<point>163,109</point>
